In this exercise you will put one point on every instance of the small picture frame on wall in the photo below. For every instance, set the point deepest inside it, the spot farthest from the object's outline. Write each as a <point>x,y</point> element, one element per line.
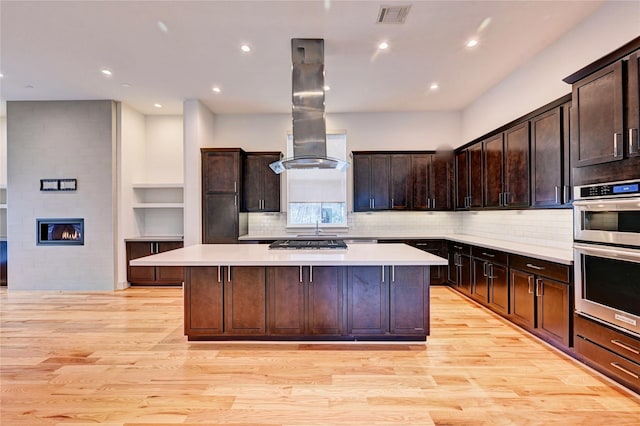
<point>68,184</point>
<point>48,184</point>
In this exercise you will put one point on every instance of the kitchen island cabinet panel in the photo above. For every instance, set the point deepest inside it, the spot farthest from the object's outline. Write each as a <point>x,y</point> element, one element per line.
<point>326,292</point>
<point>409,312</point>
<point>203,301</point>
<point>245,295</point>
<point>368,300</point>
<point>286,300</point>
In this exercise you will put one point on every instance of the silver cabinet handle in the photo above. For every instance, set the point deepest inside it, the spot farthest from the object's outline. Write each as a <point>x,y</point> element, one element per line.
<point>301,273</point>
<point>382,273</point>
<point>631,145</point>
<point>219,274</point>
<point>393,273</point>
<point>310,273</point>
<point>235,200</point>
<point>373,202</point>
<point>625,346</point>
<point>484,269</point>
<point>539,291</point>
<point>615,145</point>
<point>529,282</point>
<point>624,370</point>
<point>229,273</point>
<point>505,198</point>
<point>532,266</point>
<point>557,193</point>
<point>488,254</point>
<point>235,186</point>
<point>151,247</point>
<point>567,193</point>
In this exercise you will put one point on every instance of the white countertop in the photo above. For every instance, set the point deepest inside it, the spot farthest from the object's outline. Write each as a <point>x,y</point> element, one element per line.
<point>552,254</point>
<point>260,255</point>
<point>152,238</point>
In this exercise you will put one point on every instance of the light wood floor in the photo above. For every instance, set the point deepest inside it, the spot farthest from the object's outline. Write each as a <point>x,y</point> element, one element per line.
<point>120,358</point>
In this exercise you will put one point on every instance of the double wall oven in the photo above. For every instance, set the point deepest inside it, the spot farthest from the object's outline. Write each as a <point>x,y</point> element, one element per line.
<point>607,253</point>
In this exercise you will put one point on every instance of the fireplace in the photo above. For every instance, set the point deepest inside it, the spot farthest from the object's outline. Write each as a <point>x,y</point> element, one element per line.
<point>60,231</point>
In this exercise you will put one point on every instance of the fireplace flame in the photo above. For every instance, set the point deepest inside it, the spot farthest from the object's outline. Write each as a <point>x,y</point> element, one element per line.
<point>66,235</point>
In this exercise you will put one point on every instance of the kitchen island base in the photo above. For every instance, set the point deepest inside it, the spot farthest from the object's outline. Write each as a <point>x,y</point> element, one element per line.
<point>311,303</point>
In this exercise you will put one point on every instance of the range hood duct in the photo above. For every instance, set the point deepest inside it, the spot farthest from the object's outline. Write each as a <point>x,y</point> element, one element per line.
<point>309,129</point>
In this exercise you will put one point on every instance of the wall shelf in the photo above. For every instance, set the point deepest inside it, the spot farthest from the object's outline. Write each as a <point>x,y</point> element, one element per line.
<point>158,208</point>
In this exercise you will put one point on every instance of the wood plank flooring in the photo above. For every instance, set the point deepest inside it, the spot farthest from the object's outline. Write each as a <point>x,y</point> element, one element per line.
<point>120,359</point>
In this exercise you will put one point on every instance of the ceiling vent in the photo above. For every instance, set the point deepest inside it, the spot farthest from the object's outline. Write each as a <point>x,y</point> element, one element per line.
<point>393,14</point>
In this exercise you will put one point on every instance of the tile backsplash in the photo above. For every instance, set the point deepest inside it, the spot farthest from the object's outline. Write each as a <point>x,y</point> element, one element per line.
<point>549,228</point>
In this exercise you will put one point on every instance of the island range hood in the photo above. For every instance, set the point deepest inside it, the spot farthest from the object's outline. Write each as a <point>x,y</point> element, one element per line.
<point>309,129</point>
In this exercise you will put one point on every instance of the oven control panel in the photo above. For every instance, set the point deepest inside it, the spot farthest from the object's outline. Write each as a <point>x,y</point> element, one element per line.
<point>608,190</point>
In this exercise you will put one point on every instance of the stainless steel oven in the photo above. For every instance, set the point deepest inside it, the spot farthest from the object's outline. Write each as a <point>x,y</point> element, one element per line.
<point>607,252</point>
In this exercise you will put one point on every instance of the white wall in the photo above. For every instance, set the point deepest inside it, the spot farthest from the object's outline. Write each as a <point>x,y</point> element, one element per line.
<point>3,175</point>
<point>199,131</point>
<point>61,139</point>
<point>163,159</point>
<point>540,80</point>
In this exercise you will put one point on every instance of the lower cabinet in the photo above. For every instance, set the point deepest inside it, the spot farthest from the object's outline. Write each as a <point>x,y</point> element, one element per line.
<point>304,302</point>
<point>459,267</point>
<point>153,275</point>
<point>490,279</point>
<point>541,300</point>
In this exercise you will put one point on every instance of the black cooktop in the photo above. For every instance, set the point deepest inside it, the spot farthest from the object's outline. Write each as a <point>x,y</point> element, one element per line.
<point>308,244</point>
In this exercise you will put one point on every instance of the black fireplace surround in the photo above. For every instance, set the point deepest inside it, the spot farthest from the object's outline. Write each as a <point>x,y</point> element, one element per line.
<point>60,231</point>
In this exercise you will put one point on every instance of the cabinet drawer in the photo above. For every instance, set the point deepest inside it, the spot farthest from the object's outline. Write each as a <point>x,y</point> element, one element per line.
<point>455,247</point>
<point>542,267</point>
<point>627,372</point>
<point>609,338</point>
<point>431,246</point>
<point>493,256</point>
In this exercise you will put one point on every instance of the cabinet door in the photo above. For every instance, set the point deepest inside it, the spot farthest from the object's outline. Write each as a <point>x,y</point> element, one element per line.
<point>325,295</point>
<point>522,307</point>
<point>409,307</point>
<point>465,275</point>
<point>440,183</point>
<point>420,183</point>
<point>492,150</point>
<point>286,300</point>
<point>271,182</point>
<point>462,179</point>
<point>367,301</point>
<point>516,166</point>
<point>203,301</point>
<point>547,159</point>
<point>475,176</point>
<point>380,180</point>
<point>253,183</point>
<point>169,274</point>
<point>220,218</point>
<point>597,125</point>
<point>140,274</point>
<point>452,267</point>
<point>633,108</point>
<point>480,287</point>
<point>400,183</point>
<point>567,176</point>
<point>498,282</point>
<point>220,171</point>
<point>361,182</point>
<point>553,309</point>
<point>245,294</point>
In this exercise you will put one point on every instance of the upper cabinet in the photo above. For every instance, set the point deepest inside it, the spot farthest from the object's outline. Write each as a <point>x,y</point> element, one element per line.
<point>371,175</point>
<point>261,186</point>
<point>605,118</point>
<point>432,182</point>
<point>468,164</point>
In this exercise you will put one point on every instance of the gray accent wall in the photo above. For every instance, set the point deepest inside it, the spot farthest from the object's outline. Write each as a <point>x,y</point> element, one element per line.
<point>53,140</point>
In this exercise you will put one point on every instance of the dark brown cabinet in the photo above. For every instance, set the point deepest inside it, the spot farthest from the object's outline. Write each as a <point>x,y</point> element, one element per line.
<point>506,168</point>
<point>597,123</point>
<point>261,186</point>
<point>203,301</point>
<point>245,295</point>
<point>432,182</point>
<point>605,117</point>
<point>437,274</point>
<point>541,299</point>
<point>221,191</point>
<point>152,275</point>
<point>367,300</point>
<point>469,180</point>
<point>409,296</point>
<point>381,181</point>
<point>306,300</point>
<point>459,266</point>
<point>490,279</point>
<point>3,263</point>
<point>550,165</point>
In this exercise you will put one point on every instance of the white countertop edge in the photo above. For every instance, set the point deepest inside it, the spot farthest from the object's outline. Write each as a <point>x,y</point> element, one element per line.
<point>150,238</point>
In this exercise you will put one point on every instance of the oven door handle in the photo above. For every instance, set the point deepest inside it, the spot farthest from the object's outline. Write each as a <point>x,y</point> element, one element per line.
<point>630,255</point>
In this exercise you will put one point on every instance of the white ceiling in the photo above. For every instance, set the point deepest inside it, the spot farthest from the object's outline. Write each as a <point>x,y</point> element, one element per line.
<point>55,50</point>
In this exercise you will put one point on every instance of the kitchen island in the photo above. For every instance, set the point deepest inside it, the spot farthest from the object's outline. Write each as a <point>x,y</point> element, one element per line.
<point>250,292</point>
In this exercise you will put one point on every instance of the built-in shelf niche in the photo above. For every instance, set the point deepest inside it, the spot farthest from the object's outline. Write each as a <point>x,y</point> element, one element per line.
<point>159,208</point>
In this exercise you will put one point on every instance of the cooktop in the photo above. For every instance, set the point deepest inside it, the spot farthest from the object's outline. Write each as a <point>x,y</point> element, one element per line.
<point>308,244</point>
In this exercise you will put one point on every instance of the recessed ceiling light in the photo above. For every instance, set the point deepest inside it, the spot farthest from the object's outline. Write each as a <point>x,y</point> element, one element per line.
<point>106,72</point>
<point>471,43</point>
<point>157,105</point>
<point>1,75</point>
<point>434,86</point>
<point>245,48</point>
<point>216,89</point>
<point>326,87</point>
<point>162,27</point>
<point>383,46</point>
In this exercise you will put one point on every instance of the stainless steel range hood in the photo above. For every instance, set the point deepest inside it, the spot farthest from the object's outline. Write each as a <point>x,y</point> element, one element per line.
<point>309,129</point>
